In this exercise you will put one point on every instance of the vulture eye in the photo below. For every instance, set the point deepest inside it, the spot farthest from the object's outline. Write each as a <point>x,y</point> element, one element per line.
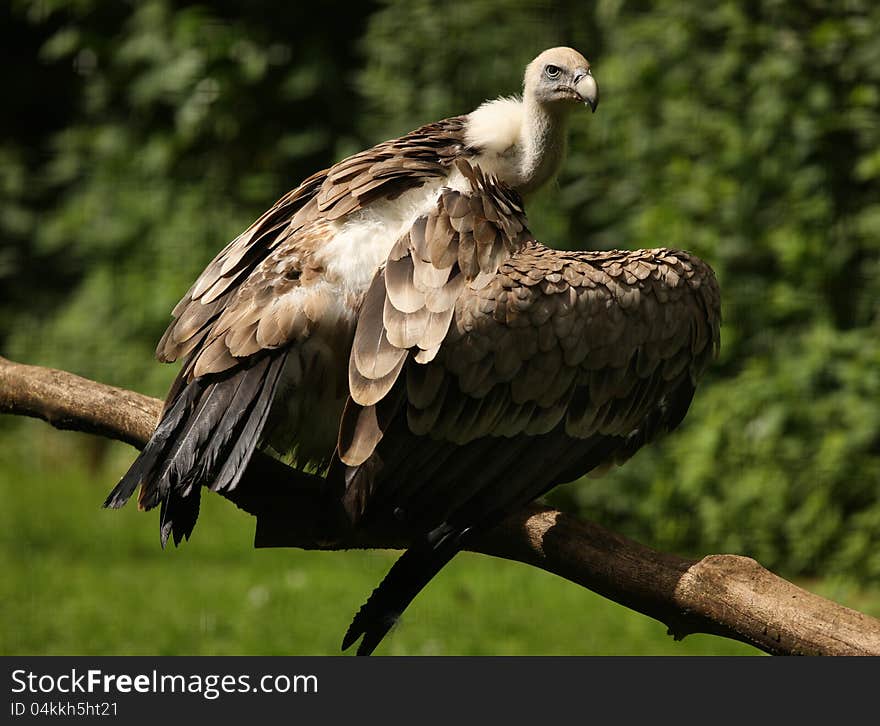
<point>552,71</point>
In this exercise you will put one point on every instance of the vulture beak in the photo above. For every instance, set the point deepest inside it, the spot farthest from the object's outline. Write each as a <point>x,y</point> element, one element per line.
<point>585,87</point>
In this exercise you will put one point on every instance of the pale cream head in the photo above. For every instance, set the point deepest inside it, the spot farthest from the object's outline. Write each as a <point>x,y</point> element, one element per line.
<point>559,78</point>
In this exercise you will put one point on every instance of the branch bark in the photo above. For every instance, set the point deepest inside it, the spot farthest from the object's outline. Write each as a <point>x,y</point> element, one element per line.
<point>725,595</point>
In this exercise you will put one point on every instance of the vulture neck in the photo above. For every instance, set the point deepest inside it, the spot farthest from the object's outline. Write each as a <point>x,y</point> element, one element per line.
<point>522,142</point>
<point>542,144</point>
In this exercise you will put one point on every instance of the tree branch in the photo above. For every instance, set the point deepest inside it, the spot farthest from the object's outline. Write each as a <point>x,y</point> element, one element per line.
<point>725,595</point>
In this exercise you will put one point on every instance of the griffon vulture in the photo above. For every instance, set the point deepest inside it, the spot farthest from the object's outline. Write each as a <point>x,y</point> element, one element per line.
<point>392,323</point>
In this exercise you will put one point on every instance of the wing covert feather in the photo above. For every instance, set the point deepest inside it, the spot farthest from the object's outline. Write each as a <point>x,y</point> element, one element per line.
<point>595,339</point>
<point>249,297</point>
<point>411,303</point>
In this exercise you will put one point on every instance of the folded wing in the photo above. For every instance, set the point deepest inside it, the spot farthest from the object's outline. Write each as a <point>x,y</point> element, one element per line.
<point>553,365</point>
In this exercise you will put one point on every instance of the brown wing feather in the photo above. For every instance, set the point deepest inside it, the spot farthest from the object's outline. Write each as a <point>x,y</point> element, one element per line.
<point>218,284</point>
<point>237,326</point>
<point>590,323</point>
<point>587,354</point>
<point>392,167</point>
<point>244,301</point>
<point>411,303</point>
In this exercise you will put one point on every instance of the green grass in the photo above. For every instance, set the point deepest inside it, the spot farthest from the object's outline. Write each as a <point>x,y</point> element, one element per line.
<point>81,580</point>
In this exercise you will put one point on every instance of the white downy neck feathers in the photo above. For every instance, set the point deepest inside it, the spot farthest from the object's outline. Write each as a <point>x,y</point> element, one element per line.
<point>522,143</point>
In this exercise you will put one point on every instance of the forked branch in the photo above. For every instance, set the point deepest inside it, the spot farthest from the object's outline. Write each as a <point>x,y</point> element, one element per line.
<point>725,595</point>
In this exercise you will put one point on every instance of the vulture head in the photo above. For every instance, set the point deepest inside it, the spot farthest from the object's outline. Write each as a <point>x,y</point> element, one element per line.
<point>560,78</point>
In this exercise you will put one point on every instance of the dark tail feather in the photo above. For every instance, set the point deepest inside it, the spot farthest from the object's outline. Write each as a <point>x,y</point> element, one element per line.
<point>406,579</point>
<point>169,427</point>
<point>178,515</point>
<point>213,424</point>
<point>237,458</point>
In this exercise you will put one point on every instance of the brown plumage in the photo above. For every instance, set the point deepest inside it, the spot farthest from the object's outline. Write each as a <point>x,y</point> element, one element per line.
<point>278,291</point>
<point>532,338</point>
<point>392,323</point>
<point>555,365</point>
<point>577,345</point>
<point>237,306</point>
<point>459,243</point>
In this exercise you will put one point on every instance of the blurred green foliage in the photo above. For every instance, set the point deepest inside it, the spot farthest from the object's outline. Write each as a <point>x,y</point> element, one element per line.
<point>140,137</point>
<point>185,122</point>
